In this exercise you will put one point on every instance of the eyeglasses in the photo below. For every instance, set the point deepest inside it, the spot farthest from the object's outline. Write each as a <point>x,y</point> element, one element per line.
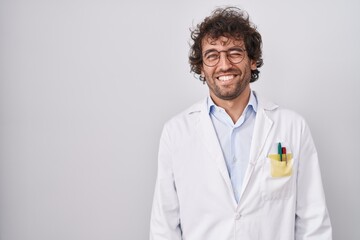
<point>234,55</point>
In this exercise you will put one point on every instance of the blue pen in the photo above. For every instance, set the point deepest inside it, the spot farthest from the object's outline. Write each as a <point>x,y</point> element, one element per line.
<point>280,151</point>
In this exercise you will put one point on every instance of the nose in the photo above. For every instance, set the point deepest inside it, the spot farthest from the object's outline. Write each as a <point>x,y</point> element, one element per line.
<point>224,63</point>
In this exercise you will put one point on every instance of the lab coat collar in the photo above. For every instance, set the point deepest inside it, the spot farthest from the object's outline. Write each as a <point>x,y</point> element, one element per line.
<point>263,104</point>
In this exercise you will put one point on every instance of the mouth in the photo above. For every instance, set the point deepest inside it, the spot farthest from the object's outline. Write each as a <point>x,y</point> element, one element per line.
<point>226,78</point>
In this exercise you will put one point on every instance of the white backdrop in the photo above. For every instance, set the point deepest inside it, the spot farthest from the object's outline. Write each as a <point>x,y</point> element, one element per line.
<point>85,87</point>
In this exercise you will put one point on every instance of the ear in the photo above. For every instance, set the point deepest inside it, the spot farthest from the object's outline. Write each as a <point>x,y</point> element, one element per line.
<point>202,76</point>
<point>253,64</point>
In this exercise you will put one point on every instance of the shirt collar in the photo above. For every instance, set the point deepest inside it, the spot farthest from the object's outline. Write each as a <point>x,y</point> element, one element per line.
<point>252,102</point>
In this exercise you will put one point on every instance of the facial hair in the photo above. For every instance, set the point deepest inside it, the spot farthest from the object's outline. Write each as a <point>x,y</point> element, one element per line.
<point>230,92</point>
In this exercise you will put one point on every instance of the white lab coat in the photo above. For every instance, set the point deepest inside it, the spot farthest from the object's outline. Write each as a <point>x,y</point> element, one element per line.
<point>193,197</point>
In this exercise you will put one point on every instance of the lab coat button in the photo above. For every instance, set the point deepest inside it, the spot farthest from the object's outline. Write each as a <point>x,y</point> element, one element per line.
<point>237,216</point>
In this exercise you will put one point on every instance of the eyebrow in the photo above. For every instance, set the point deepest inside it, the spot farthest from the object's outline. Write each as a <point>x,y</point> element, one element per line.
<point>209,51</point>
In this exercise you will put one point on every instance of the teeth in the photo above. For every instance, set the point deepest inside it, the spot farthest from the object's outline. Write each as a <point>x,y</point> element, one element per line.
<point>226,78</point>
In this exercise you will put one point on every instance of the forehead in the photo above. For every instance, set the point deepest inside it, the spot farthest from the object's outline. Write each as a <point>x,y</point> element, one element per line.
<point>220,42</point>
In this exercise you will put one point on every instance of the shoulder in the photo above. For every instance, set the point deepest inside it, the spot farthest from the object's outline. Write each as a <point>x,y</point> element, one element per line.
<point>188,118</point>
<point>288,114</point>
<point>280,114</point>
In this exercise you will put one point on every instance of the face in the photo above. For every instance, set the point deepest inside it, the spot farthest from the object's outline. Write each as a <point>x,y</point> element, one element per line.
<point>226,80</point>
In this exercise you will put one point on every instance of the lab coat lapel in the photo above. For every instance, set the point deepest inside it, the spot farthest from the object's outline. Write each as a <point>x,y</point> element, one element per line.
<point>263,125</point>
<point>211,143</point>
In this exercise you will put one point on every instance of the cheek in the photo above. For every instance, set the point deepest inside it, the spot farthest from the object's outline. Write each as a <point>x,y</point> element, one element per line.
<point>206,72</point>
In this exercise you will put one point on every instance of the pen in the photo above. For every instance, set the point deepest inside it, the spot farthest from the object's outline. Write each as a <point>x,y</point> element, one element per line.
<point>280,151</point>
<point>283,150</point>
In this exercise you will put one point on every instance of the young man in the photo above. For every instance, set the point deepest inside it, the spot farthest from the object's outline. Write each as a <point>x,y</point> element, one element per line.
<point>236,166</point>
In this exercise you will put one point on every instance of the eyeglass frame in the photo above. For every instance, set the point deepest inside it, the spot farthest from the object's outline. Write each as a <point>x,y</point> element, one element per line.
<point>227,55</point>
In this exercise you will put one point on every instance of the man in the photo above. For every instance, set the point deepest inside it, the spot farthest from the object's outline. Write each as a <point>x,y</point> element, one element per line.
<point>236,166</point>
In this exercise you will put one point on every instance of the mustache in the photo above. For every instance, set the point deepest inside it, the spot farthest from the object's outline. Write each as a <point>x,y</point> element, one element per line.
<point>228,71</point>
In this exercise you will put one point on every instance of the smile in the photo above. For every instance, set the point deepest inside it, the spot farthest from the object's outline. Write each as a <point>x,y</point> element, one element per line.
<point>226,78</point>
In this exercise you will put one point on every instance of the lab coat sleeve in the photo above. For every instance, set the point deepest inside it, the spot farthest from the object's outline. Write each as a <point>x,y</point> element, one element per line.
<point>312,219</point>
<point>165,220</point>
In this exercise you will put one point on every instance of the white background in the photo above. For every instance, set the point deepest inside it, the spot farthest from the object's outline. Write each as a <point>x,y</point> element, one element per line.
<point>86,86</point>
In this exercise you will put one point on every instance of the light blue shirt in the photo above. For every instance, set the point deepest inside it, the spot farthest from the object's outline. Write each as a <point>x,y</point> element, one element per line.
<point>235,139</point>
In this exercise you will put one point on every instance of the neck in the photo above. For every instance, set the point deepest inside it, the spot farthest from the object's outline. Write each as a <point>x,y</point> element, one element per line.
<point>234,107</point>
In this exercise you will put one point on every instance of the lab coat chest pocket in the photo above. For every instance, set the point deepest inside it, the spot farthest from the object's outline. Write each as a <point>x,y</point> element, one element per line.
<point>278,173</point>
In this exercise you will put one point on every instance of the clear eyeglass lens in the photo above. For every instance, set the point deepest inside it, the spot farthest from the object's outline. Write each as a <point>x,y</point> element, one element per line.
<point>234,56</point>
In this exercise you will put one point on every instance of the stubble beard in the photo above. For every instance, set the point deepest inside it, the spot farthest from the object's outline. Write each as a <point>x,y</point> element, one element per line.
<point>230,92</point>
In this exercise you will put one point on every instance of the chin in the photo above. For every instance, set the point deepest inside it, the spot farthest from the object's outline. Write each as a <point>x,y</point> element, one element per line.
<point>228,96</point>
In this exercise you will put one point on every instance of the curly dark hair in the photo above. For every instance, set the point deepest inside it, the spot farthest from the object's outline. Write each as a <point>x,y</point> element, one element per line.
<point>229,22</point>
